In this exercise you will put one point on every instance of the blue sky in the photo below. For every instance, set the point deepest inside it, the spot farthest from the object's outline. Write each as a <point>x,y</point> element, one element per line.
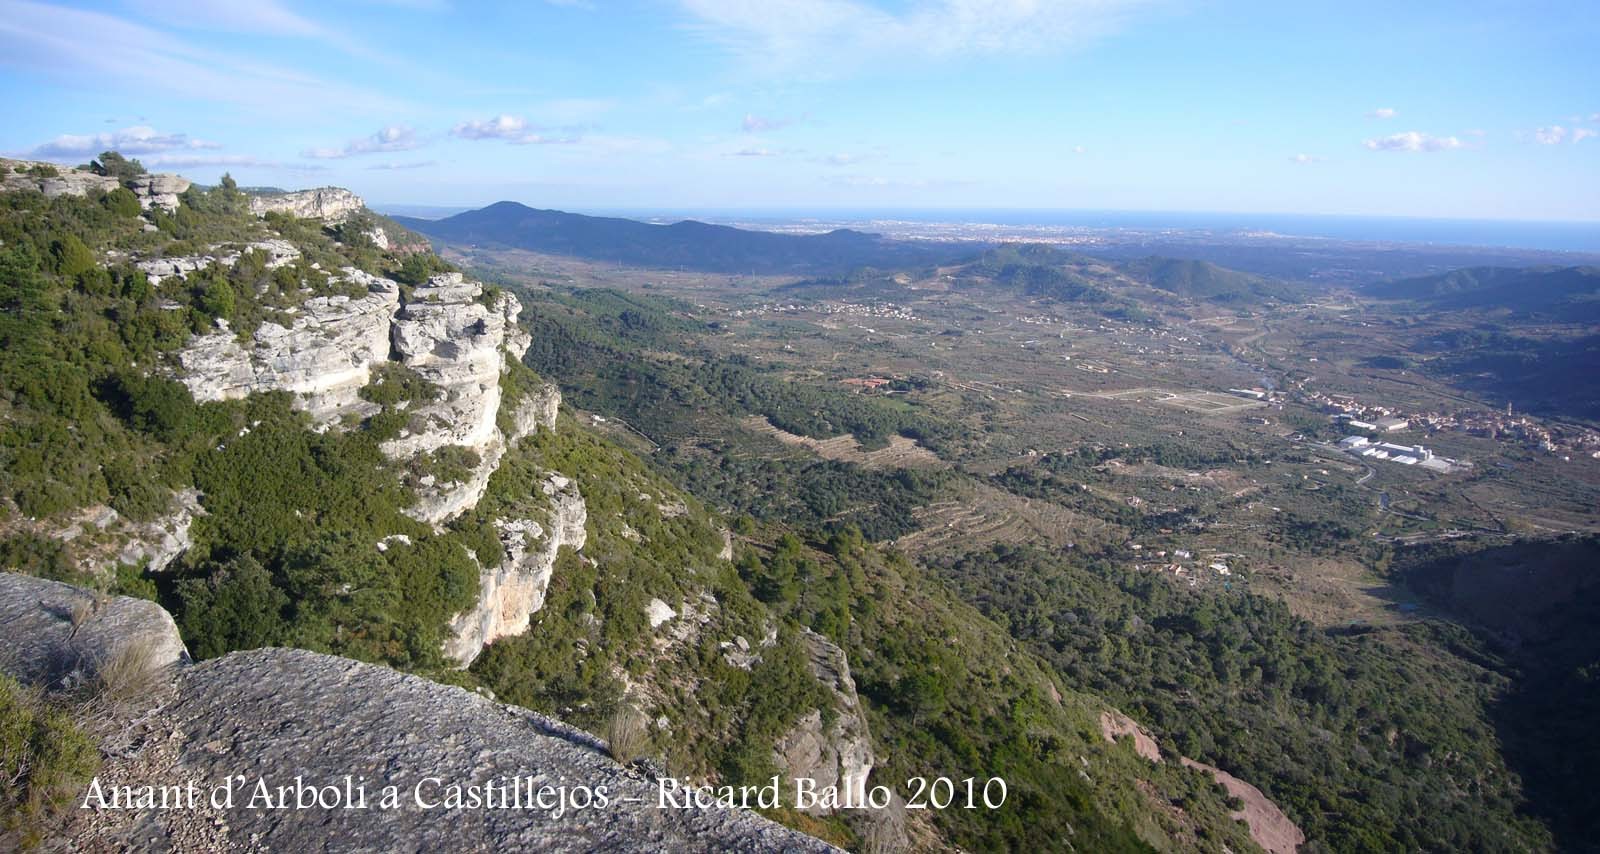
<point>1465,108</point>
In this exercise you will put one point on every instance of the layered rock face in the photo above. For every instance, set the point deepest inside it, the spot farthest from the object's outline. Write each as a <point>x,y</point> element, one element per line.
<point>278,253</point>
<point>158,191</point>
<point>840,755</point>
<point>324,357</point>
<point>449,335</point>
<point>509,594</point>
<point>153,190</point>
<point>330,204</point>
<point>277,714</point>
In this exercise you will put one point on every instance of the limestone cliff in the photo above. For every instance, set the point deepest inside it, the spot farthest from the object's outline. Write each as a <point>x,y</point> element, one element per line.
<point>152,190</point>
<point>509,594</point>
<point>277,714</point>
<point>461,342</point>
<point>324,357</point>
<point>330,204</point>
<point>839,753</point>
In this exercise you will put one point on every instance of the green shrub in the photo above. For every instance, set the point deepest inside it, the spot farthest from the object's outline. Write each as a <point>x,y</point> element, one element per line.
<point>45,760</point>
<point>122,202</point>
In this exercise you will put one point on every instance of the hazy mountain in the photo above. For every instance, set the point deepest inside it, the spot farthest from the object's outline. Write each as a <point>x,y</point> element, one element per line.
<point>1534,289</point>
<point>687,244</point>
<point>1203,280</point>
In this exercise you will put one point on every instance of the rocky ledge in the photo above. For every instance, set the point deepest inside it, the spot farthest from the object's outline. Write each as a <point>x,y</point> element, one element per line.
<point>330,204</point>
<point>275,715</point>
<point>152,190</point>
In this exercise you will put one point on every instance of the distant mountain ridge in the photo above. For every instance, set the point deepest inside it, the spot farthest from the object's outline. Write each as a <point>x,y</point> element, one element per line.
<point>687,244</point>
<point>1534,289</point>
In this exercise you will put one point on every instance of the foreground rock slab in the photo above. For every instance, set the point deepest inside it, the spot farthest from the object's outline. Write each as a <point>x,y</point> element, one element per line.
<point>272,718</point>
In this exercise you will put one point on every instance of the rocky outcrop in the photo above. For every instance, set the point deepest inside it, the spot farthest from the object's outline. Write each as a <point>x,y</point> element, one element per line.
<point>20,175</point>
<point>839,755</point>
<point>152,190</point>
<point>329,204</point>
<point>159,542</point>
<point>59,635</point>
<point>278,253</point>
<point>512,592</point>
<point>275,715</point>
<point>454,338</point>
<point>158,191</point>
<point>324,357</point>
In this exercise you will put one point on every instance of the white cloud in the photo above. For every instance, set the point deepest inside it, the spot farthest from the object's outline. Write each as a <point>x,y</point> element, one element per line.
<point>1078,149</point>
<point>843,159</point>
<point>512,129</point>
<point>129,141</point>
<point>388,139</point>
<point>759,124</point>
<point>1581,134</point>
<point>1413,141</point>
<point>195,161</point>
<point>414,164</point>
<point>109,54</point>
<point>1552,135</point>
<point>754,152</point>
<point>831,35</point>
<point>1383,113</point>
<point>1306,159</point>
<point>258,17</point>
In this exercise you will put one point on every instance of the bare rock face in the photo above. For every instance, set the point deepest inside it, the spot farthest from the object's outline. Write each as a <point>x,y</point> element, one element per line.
<point>535,410</point>
<point>512,592</point>
<point>324,357</point>
<point>57,634</point>
<point>329,204</point>
<point>448,333</point>
<point>842,754</point>
<point>152,190</point>
<point>67,182</point>
<point>277,252</point>
<point>277,714</point>
<point>158,191</point>
<point>160,542</point>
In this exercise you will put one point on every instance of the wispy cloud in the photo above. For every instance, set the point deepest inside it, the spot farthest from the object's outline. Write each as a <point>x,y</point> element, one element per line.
<point>196,161</point>
<point>109,53</point>
<point>1306,159</point>
<point>1552,135</point>
<point>130,141</point>
<point>513,129</point>
<point>1383,113</point>
<point>388,139</point>
<point>1414,141</point>
<point>759,124</point>
<point>754,152</point>
<point>1581,134</point>
<point>836,34</point>
<point>415,164</point>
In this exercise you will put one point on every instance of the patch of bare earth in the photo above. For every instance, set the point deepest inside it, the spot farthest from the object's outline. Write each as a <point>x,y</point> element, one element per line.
<point>990,515</point>
<point>1269,826</point>
<point>902,452</point>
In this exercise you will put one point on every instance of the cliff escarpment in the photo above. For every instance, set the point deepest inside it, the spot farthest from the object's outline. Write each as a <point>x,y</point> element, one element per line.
<point>284,716</point>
